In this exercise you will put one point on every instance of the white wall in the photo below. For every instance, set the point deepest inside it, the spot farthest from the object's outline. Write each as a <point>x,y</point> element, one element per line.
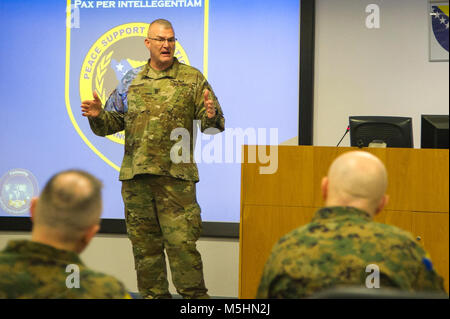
<point>385,71</point>
<point>112,254</point>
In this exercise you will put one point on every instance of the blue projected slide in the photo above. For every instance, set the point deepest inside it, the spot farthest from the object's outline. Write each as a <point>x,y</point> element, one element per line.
<point>55,53</point>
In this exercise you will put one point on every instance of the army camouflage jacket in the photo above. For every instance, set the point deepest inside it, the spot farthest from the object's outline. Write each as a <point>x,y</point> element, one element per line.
<point>335,249</point>
<point>34,270</point>
<point>149,105</point>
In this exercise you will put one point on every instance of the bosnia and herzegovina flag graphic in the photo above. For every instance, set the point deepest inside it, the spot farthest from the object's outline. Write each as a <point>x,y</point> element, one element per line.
<point>102,44</point>
<point>440,24</point>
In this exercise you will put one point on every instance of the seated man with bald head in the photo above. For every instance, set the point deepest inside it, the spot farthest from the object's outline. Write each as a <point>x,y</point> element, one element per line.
<point>65,218</point>
<point>342,240</point>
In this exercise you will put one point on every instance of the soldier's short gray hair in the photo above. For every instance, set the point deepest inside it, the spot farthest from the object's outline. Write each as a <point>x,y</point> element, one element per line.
<point>70,203</point>
<point>165,23</point>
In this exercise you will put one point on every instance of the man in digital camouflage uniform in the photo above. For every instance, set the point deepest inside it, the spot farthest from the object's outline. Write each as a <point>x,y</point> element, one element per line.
<point>342,240</point>
<point>161,209</point>
<point>65,218</point>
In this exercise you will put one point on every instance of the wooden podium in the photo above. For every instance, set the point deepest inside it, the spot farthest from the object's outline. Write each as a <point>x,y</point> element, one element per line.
<point>274,204</point>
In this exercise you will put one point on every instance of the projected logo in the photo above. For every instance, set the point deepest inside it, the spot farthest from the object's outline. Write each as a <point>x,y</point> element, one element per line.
<point>17,187</point>
<point>108,59</point>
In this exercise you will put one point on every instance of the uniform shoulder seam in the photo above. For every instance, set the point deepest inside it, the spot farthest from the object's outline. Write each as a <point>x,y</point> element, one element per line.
<point>189,67</point>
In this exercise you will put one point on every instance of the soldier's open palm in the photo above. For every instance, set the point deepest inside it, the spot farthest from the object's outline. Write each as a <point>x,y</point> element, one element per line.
<point>93,107</point>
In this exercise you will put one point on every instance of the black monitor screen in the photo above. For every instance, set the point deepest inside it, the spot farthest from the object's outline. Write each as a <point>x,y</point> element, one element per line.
<point>392,130</point>
<point>434,132</point>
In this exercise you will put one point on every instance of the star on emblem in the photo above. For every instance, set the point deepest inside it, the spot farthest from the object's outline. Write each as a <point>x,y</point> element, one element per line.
<point>119,67</point>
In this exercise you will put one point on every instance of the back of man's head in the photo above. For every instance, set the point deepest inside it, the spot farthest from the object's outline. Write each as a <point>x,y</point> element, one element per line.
<point>70,204</point>
<point>357,179</point>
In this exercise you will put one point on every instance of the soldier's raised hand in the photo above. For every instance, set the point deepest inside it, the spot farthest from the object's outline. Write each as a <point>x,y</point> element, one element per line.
<point>209,105</point>
<point>91,108</point>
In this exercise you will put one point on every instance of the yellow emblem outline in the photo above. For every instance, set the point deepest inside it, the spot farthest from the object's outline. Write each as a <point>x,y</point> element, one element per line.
<point>67,75</point>
<point>102,62</point>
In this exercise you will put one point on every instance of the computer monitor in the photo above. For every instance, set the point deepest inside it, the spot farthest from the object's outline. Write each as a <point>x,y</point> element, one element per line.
<point>434,131</point>
<point>393,130</point>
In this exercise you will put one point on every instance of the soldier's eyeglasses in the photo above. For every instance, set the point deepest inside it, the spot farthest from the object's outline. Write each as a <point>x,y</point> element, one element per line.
<point>162,40</point>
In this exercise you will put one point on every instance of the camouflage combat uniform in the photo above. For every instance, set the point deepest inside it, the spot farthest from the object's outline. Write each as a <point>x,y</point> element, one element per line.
<point>161,209</point>
<point>334,250</point>
<point>34,270</point>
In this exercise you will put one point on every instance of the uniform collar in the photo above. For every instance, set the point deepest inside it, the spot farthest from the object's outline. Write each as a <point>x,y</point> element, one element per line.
<point>341,212</point>
<point>170,72</point>
<point>42,251</point>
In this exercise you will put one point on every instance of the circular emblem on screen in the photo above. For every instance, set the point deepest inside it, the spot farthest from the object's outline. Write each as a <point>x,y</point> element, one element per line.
<point>112,55</point>
<point>18,186</point>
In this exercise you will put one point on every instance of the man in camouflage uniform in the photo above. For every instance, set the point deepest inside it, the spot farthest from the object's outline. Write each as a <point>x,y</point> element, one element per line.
<point>342,240</point>
<point>65,218</point>
<point>161,210</point>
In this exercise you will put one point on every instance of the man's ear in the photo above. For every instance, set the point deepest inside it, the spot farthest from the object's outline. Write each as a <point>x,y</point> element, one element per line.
<point>91,233</point>
<point>33,204</point>
<point>85,240</point>
<point>147,43</point>
<point>324,188</point>
<point>383,202</point>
